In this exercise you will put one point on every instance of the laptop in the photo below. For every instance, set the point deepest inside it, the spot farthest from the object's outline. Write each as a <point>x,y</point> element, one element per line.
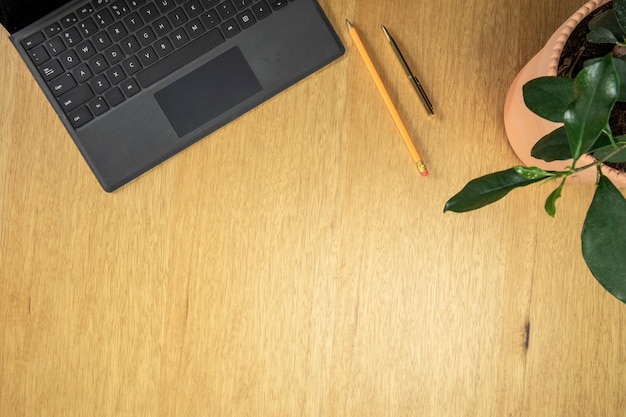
<point>136,81</point>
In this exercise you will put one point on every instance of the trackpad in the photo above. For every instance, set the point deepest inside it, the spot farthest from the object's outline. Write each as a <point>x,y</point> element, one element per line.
<point>208,91</point>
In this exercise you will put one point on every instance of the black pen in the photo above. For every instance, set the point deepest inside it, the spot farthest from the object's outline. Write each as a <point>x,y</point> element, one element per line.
<point>414,81</point>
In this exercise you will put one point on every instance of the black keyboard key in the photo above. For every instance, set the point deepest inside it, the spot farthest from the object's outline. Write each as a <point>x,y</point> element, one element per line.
<point>88,27</point>
<point>100,84</point>
<point>210,3</point>
<point>62,84</point>
<point>98,106</point>
<point>226,9</point>
<point>84,11</point>
<point>51,70</point>
<point>79,117</point>
<point>179,37</point>
<point>147,56</point>
<point>75,97</point>
<point>117,31</point>
<point>161,26</point>
<point>130,45</point>
<point>98,64</point>
<point>261,10</point>
<point>278,4</point>
<point>179,58</point>
<point>242,4</point>
<point>114,55</point>
<point>148,13</point>
<point>131,65</point>
<point>134,4</point>
<point>194,28</point>
<point>116,75</point>
<point>119,8</point>
<point>146,36</point>
<point>210,19</point>
<point>230,28</point>
<point>163,47</point>
<point>71,37</point>
<point>193,8</point>
<point>104,18</point>
<point>86,50</point>
<point>69,59</point>
<point>133,22</point>
<point>55,46</point>
<point>69,20</point>
<point>33,40</point>
<point>246,19</point>
<point>129,87</point>
<point>102,40</point>
<point>165,5</point>
<point>53,29</point>
<point>177,17</point>
<point>98,4</point>
<point>114,97</point>
<point>39,55</point>
<point>82,73</point>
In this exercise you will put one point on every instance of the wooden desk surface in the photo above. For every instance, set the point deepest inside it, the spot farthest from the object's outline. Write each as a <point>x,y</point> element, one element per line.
<point>296,264</point>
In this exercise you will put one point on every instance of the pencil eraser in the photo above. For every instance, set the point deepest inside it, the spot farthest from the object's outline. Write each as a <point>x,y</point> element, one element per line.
<point>425,174</point>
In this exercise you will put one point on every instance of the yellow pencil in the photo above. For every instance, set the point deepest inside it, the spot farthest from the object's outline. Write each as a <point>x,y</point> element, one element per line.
<point>421,167</point>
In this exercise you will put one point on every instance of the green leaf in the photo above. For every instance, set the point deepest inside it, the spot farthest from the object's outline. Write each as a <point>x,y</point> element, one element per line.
<point>605,28</point>
<point>604,238</point>
<point>488,189</point>
<point>620,67</point>
<point>550,205</point>
<point>596,90</point>
<point>601,35</point>
<point>531,173</point>
<point>553,147</point>
<point>619,6</point>
<point>549,97</point>
<point>602,153</point>
<point>603,140</point>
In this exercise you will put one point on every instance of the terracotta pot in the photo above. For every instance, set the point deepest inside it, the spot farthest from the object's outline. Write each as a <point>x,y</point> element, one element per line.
<point>524,128</point>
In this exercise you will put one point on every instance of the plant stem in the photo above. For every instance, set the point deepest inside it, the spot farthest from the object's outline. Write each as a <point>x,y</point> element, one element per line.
<point>617,150</point>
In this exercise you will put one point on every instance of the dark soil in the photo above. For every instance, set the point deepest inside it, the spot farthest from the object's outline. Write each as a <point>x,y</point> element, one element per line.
<point>575,52</point>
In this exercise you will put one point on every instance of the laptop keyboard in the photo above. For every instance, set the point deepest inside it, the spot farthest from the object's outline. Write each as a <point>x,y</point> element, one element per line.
<point>108,50</point>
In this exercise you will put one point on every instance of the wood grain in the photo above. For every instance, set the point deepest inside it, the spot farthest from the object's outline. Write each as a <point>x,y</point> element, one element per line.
<point>295,263</point>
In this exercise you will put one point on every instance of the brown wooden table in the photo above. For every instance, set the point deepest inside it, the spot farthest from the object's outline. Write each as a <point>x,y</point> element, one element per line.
<point>295,263</point>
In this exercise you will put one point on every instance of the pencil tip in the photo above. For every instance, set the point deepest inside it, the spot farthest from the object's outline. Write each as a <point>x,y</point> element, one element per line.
<point>349,24</point>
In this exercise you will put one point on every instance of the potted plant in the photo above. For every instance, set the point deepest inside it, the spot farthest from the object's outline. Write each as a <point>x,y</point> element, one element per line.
<point>582,136</point>
<point>562,54</point>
